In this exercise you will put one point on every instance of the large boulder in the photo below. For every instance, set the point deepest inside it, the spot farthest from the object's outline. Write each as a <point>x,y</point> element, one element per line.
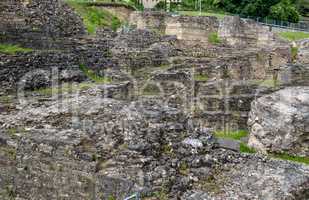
<point>280,122</point>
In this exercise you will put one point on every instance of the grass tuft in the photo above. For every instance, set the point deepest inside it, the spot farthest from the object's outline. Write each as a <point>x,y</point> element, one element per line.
<point>12,49</point>
<point>245,149</point>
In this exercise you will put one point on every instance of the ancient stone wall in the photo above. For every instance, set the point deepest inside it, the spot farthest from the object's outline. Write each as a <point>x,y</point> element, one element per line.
<point>192,28</point>
<point>94,54</point>
<point>38,23</point>
<point>232,31</point>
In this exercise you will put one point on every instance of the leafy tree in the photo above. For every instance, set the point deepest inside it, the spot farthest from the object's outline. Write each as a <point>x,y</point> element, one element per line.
<point>303,7</point>
<point>284,11</point>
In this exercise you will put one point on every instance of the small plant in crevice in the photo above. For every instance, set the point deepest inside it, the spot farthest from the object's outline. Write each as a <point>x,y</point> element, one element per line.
<point>184,168</point>
<point>167,149</point>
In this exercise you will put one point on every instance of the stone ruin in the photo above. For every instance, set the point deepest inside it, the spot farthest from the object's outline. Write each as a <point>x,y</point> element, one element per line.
<point>151,129</point>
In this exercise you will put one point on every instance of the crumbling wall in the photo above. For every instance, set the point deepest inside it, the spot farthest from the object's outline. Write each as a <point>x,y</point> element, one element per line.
<point>38,23</point>
<point>191,28</point>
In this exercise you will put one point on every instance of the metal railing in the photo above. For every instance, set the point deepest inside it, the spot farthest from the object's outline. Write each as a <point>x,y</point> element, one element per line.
<point>300,26</point>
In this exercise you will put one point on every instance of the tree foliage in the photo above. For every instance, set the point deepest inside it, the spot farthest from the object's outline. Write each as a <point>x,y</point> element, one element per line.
<point>286,10</point>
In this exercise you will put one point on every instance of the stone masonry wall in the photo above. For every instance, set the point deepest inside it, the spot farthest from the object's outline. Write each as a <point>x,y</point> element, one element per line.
<point>38,23</point>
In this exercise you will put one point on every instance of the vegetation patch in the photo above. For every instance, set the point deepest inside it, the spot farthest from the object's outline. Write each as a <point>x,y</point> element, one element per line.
<point>151,90</point>
<point>94,17</point>
<point>162,194</point>
<point>13,49</point>
<point>200,77</point>
<point>184,168</point>
<point>93,76</point>
<point>298,159</point>
<point>245,149</point>
<point>16,130</point>
<point>6,99</point>
<point>294,53</point>
<point>214,38</point>
<point>294,36</point>
<point>234,135</point>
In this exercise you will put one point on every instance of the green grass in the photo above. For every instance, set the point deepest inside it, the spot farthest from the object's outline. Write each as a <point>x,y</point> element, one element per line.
<point>214,38</point>
<point>245,149</point>
<point>234,135</point>
<point>298,159</point>
<point>12,49</point>
<point>200,77</point>
<point>197,13</point>
<point>93,76</point>
<point>294,36</point>
<point>94,17</point>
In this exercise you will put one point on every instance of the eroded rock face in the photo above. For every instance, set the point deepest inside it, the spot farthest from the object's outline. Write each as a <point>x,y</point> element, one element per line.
<point>280,122</point>
<point>93,144</point>
<point>256,178</point>
<point>303,51</point>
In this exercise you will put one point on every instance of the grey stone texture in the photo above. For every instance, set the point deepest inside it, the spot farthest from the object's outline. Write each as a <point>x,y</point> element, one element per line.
<point>279,122</point>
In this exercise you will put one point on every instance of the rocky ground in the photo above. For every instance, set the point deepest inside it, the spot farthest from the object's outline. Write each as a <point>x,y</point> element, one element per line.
<point>138,111</point>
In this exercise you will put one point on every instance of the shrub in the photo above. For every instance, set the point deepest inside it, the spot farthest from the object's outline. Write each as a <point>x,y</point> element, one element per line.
<point>284,11</point>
